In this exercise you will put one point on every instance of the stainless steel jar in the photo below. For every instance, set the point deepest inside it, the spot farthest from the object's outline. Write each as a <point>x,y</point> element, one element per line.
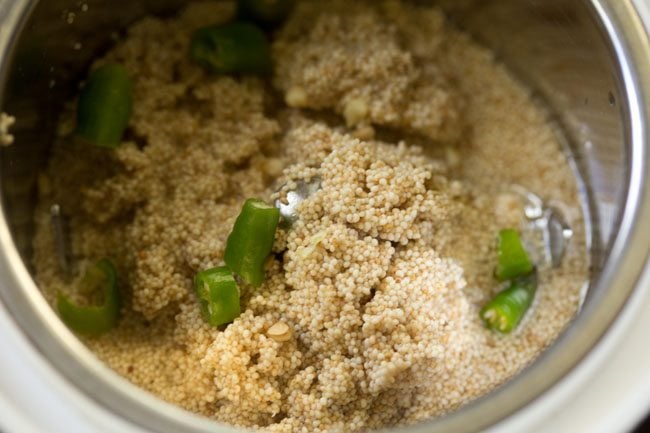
<point>588,61</point>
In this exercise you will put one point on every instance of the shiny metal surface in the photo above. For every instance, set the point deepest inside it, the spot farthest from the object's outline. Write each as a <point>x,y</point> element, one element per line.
<point>288,204</point>
<point>586,59</point>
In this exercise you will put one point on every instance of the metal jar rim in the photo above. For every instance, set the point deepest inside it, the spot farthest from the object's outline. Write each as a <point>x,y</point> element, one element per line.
<point>622,25</point>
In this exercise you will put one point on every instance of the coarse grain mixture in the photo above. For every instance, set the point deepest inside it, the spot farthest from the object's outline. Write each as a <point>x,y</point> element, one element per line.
<point>368,316</point>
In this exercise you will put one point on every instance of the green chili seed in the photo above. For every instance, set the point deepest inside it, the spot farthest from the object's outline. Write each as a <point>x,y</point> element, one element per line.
<point>266,13</point>
<point>251,240</point>
<point>504,312</point>
<point>104,106</point>
<point>218,295</point>
<point>94,320</point>
<point>236,47</point>
<point>513,259</point>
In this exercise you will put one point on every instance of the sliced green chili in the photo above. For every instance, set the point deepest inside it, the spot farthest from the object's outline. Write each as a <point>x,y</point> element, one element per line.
<point>267,13</point>
<point>251,240</point>
<point>237,47</point>
<point>513,259</point>
<point>94,320</point>
<point>504,312</point>
<point>218,295</point>
<point>104,106</point>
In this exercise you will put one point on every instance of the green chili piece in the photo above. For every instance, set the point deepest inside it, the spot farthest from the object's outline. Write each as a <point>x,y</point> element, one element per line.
<point>93,320</point>
<point>236,47</point>
<point>504,312</point>
<point>513,259</point>
<point>251,240</point>
<point>267,13</point>
<point>104,106</point>
<point>218,295</point>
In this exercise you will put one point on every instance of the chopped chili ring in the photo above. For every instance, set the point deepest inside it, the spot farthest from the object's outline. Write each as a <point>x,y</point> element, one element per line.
<point>251,240</point>
<point>218,294</point>
<point>105,106</point>
<point>505,311</point>
<point>237,47</point>
<point>513,259</point>
<point>93,320</point>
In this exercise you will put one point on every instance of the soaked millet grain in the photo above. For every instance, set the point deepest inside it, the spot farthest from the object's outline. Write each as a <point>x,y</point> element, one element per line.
<point>380,280</point>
